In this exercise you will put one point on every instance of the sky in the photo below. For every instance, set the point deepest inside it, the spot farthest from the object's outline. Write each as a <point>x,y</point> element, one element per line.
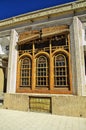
<point>10,8</point>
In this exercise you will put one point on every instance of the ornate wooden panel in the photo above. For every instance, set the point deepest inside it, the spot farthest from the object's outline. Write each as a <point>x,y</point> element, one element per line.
<point>55,75</point>
<point>51,31</point>
<point>28,36</point>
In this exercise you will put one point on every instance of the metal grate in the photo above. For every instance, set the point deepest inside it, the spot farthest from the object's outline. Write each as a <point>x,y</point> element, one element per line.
<point>40,104</point>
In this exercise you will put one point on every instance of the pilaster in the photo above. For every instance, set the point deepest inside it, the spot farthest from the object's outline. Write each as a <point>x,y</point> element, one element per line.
<point>12,62</point>
<point>51,69</point>
<point>77,52</point>
<point>33,68</point>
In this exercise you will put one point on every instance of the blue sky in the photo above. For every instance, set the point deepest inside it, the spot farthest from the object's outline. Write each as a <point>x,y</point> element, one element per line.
<point>10,8</point>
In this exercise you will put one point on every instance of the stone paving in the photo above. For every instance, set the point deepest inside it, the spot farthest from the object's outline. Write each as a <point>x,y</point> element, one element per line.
<point>18,120</point>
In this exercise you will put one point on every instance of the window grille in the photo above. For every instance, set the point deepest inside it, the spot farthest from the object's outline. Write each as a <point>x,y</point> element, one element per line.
<point>42,72</point>
<point>25,72</point>
<point>60,71</point>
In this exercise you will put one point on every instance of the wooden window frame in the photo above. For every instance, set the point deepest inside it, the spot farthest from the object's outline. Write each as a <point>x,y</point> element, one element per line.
<point>50,53</point>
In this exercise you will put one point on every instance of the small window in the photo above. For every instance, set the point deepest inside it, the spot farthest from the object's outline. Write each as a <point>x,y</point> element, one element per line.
<point>59,40</point>
<point>25,47</point>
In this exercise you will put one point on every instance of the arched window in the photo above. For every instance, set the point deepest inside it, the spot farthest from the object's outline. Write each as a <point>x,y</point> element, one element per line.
<point>61,78</point>
<point>25,72</point>
<point>42,72</point>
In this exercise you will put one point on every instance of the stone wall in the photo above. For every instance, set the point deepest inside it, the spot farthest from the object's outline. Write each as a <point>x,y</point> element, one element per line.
<point>16,102</point>
<point>60,105</point>
<point>69,105</point>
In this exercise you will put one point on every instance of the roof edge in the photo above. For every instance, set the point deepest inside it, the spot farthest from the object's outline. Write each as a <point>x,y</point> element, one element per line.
<point>44,12</point>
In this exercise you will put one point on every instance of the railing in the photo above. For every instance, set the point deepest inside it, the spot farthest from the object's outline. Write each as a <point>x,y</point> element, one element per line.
<point>24,51</point>
<point>66,47</point>
<point>45,49</point>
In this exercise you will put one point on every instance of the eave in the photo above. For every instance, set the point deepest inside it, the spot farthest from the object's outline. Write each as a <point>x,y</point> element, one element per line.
<point>40,14</point>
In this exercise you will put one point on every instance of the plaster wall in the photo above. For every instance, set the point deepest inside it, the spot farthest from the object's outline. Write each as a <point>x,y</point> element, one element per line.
<point>12,62</point>
<point>77,56</point>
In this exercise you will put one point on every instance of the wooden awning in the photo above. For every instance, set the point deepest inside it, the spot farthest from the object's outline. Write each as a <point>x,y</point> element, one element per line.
<point>47,35</point>
<point>56,30</point>
<point>29,39</point>
<point>29,36</point>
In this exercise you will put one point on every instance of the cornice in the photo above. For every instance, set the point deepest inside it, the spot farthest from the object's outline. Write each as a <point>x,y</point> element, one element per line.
<point>42,13</point>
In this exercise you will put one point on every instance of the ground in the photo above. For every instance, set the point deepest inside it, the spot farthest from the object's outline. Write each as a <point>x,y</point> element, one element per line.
<point>18,120</point>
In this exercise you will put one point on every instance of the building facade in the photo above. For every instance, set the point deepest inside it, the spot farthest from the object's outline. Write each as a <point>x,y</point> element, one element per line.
<point>45,51</point>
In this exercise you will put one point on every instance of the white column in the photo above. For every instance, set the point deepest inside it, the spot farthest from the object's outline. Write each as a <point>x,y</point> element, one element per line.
<point>12,63</point>
<point>77,52</point>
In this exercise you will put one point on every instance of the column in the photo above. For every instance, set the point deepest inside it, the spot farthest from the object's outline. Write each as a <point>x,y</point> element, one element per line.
<point>51,69</point>
<point>77,56</point>
<point>12,62</point>
<point>1,78</point>
<point>33,68</point>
